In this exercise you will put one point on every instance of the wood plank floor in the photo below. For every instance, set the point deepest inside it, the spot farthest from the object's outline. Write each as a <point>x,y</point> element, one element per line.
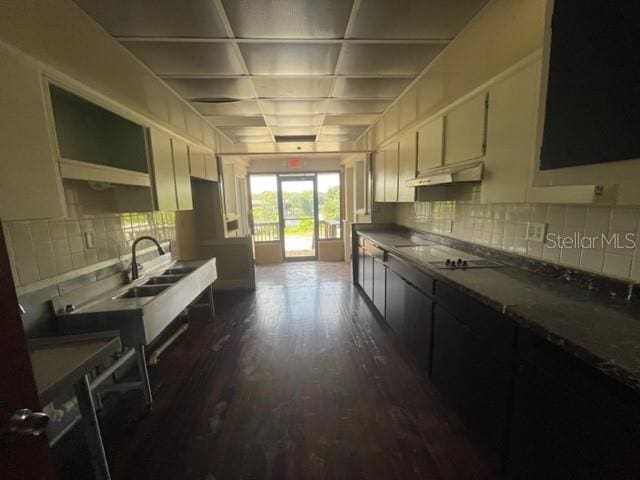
<point>294,381</point>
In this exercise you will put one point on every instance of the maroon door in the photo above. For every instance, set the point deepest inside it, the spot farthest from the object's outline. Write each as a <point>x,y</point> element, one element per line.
<point>22,455</point>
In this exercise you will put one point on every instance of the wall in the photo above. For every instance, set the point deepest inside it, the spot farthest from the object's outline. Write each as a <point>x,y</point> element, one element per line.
<point>279,165</point>
<point>503,226</point>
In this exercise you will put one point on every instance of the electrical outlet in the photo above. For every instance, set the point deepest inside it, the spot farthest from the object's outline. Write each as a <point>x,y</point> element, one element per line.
<point>536,231</point>
<point>89,239</point>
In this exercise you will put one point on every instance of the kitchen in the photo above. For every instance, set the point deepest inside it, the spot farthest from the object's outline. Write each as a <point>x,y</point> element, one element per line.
<point>342,239</point>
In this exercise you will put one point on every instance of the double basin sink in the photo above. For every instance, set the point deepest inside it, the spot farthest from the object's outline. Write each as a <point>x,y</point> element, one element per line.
<point>143,309</point>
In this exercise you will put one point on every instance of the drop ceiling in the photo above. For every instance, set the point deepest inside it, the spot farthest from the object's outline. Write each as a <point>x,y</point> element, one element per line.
<point>260,68</point>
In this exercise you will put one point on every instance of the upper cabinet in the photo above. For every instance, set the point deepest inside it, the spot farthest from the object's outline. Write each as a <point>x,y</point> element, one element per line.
<point>391,173</point>
<point>431,144</point>
<point>182,176</point>
<point>407,153</point>
<point>465,134</point>
<point>360,181</point>
<point>379,174</point>
<point>30,186</point>
<point>164,188</point>
<point>202,164</point>
<point>591,112</point>
<point>211,167</point>
<point>229,190</point>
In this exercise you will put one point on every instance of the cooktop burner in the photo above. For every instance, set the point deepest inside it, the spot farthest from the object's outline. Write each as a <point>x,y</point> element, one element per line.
<point>461,263</point>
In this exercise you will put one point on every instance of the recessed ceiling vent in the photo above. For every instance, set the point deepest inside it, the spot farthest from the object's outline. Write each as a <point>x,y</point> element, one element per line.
<point>295,138</point>
<point>215,100</point>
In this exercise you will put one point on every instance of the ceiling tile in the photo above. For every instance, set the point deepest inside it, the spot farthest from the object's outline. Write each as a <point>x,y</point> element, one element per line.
<point>288,18</point>
<point>293,120</point>
<point>336,138</point>
<point>192,88</point>
<point>343,129</point>
<point>156,18</point>
<point>187,58</point>
<point>245,131</point>
<point>253,139</point>
<point>236,121</point>
<point>243,107</point>
<point>413,19</point>
<point>285,131</point>
<point>270,87</point>
<point>335,105</point>
<point>387,59</point>
<point>370,87</point>
<point>351,119</point>
<point>293,107</point>
<point>290,59</point>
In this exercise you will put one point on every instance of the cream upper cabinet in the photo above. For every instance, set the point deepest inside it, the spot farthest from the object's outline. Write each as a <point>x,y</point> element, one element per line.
<point>391,173</point>
<point>407,152</point>
<point>431,144</point>
<point>465,135</point>
<point>210,167</point>
<point>360,185</point>
<point>30,185</point>
<point>182,177</point>
<point>164,183</point>
<point>511,135</point>
<point>196,163</point>
<point>229,184</point>
<point>379,174</point>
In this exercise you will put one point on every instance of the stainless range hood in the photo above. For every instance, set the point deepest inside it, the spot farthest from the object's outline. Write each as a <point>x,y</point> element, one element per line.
<point>469,172</point>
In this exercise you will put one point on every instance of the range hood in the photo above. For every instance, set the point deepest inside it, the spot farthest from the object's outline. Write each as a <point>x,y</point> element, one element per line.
<point>470,172</point>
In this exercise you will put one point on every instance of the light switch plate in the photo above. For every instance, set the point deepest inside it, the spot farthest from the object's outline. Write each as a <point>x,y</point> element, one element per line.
<point>536,231</point>
<point>89,239</point>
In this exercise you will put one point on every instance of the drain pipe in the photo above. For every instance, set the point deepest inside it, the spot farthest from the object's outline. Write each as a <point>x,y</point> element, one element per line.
<point>154,358</point>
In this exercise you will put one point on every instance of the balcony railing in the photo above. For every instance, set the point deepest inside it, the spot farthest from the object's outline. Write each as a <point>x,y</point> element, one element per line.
<point>270,231</point>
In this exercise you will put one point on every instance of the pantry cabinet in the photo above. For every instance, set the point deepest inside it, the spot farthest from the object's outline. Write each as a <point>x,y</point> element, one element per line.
<point>465,135</point>
<point>30,186</point>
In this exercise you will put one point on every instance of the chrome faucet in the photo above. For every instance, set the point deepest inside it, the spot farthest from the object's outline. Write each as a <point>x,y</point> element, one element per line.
<point>134,263</point>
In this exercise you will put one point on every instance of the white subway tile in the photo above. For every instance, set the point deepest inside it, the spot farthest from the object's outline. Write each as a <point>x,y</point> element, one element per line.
<point>592,259</point>
<point>617,265</point>
<point>598,219</point>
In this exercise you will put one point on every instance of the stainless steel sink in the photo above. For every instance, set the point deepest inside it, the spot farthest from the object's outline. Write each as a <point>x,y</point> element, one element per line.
<point>164,280</point>
<point>178,271</point>
<point>142,291</point>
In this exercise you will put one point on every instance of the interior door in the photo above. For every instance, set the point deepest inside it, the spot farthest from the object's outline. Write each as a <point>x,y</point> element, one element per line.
<point>298,204</point>
<point>23,455</point>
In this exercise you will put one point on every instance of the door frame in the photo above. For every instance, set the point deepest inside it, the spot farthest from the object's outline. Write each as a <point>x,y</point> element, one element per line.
<point>285,177</point>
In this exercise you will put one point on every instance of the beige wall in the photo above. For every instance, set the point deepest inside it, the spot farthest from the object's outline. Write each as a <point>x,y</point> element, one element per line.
<point>267,253</point>
<point>309,164</point>
<point>331,250</point>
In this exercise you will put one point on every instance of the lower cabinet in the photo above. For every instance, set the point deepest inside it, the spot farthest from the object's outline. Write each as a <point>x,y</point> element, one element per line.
<point>379,284</point>
<point>360,260</point>
<point>367,273</point>
<point>396,287</point>
<point>475,382</point>
<point>568,420</point>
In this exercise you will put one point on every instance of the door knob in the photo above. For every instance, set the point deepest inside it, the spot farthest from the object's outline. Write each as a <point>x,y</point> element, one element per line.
<point>25,423</point>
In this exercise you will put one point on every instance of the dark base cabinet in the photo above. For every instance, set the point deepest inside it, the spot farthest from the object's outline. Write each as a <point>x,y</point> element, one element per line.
<point>379,284</point>
<point>568,420</point>
<point>477,385</point>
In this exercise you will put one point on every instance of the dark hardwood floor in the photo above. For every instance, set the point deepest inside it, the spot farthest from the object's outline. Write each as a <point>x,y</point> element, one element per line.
<point>294,381</point>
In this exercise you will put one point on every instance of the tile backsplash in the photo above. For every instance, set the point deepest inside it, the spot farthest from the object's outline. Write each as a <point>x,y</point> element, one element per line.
<point>504,227</point>
<point>41,249</point>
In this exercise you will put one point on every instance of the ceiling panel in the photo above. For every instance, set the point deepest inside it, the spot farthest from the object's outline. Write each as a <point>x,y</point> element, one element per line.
<point>370,87</point>
<point>156,18</point>
<point>288,18</point>
<point>348,130</point>
<point>236,121</point>
<point>336,138</point>
<point>294,131</point>
<point>293,107</point>
<point>335,105</point>
<point>187,58</point>
<point>245,131</point>
<point>351,119</point>
<point>192,88</point>
<point>253,139</point>
<point>243,107</point>
<point>290,59</point>
<point>270,87</point>
<point>294,120</point>
<point>387,59</point>
<point>413,19</point>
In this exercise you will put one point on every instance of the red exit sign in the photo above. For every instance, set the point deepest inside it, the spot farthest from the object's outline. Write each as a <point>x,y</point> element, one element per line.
<point>294,163</point>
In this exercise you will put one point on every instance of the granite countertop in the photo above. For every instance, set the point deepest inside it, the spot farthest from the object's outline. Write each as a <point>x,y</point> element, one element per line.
<point>602,330</point>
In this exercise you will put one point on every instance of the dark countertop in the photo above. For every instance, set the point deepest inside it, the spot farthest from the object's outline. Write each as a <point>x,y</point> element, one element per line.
<point>602,330</point>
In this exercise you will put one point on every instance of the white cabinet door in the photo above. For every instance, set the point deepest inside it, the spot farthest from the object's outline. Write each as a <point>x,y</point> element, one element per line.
<point>211,167</point>
<point>181,170</point>
<point>391,173</point>
<point>379,174</point>
<point>164,183</point>
<point>407,166</point>
<point>360,185</point>
<point>430,144</point>
<point>511,135</point>
<point>229,184</point>
<point>196,163</point>
<point>465,134</point>
<point>30,185</point>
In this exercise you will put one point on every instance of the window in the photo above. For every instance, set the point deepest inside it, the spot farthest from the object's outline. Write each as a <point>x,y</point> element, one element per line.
<point>264,207</point>
<point>329,206</point>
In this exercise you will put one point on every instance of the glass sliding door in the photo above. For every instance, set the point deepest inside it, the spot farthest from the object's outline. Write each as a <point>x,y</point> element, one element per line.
<point>329,206</point>
<point>298,216</point>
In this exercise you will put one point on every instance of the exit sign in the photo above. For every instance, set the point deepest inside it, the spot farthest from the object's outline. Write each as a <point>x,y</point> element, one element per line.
<point>294,163</point>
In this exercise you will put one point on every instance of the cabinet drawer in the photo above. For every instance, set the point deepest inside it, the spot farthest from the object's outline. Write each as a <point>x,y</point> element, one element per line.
<point>420,280</point>
<point>497,332</point>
